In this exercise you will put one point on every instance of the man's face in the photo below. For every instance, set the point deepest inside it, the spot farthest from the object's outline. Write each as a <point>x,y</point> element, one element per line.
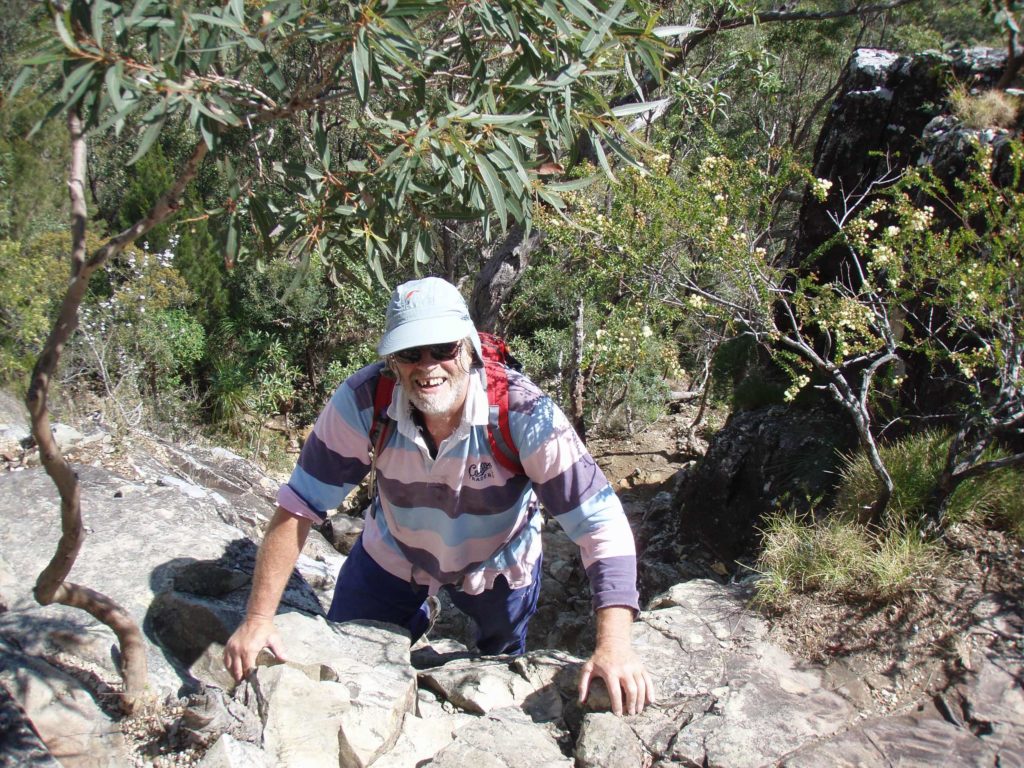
<point>437,387</point>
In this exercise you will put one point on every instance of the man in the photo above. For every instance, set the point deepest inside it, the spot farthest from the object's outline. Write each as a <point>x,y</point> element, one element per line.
<point>447,514</point>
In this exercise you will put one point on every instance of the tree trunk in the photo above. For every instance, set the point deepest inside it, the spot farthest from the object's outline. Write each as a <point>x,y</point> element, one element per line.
<point>577,381</point>
<point>500,275</point>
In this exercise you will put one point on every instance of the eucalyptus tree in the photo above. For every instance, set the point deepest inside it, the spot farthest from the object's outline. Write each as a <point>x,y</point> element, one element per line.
<point>454,110</point>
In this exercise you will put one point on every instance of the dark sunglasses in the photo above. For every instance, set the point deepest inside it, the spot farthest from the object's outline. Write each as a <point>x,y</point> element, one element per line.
<point>439,353</point>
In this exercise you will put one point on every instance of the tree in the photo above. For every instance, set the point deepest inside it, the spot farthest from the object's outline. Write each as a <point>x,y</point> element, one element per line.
<point>452,109</point>
<point>913,283</point>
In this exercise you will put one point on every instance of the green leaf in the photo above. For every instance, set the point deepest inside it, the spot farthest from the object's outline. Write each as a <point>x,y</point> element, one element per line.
<point>494,188</point>
<point>112,79</point>
<point>422,247</point>
<point>96,18</point>
<point>675,30</point>
<point>43,59</point>
<point>639,107</point>
<point>230,240</point>
<point>78,83</point>
<point>20,80</point>
<point>272,71</point>
<point>572,185</point>
<point>62,31</point>
<point>148,137</point>
<point>216,21</point>
<point>602,158</point>
<point>209,135</point>
<point>361,67</point>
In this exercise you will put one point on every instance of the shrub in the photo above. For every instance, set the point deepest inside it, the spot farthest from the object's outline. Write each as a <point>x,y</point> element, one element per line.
<point>32,282</point>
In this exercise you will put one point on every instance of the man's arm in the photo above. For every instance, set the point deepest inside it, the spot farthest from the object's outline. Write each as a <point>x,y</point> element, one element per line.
<point>616,662</point>
<point>281,545</point>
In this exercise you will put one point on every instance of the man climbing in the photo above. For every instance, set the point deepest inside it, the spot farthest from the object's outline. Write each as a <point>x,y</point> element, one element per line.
<point>452,506</point>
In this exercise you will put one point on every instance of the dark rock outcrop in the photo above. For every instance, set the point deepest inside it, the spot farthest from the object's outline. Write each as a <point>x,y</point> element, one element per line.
<point>762,460</point>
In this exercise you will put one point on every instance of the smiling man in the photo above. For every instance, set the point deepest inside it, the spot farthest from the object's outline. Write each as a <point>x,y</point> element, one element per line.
<point>447,512</point>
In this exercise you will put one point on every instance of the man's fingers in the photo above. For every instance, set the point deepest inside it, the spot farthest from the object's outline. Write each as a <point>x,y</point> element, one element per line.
<point>652,694</point>
<point>276,644</point>
<point>585,681</point>
<point>615,694</point>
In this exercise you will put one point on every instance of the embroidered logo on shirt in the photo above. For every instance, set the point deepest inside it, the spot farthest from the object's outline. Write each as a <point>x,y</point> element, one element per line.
<point>480,471</point>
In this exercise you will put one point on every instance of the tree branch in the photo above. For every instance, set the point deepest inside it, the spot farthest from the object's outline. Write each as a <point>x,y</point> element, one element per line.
<point>51,585</point>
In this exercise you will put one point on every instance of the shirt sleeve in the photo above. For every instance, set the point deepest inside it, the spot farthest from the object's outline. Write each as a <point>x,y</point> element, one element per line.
<point>574,490</point>
<point>336,456</point>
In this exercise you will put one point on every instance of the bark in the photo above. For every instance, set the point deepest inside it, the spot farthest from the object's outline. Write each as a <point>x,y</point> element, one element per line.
<point>52,585</point>
<point>577,381</point>
<point>500,275</point>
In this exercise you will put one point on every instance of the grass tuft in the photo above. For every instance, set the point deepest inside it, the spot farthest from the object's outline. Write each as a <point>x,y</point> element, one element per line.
<point>838,556</point>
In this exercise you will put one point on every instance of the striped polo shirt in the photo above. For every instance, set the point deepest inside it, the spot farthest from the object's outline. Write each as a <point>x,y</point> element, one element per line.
<point>462,518</point>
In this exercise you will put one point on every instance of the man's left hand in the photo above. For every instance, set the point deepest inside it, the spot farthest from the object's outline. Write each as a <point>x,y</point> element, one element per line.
<point>630,686</point>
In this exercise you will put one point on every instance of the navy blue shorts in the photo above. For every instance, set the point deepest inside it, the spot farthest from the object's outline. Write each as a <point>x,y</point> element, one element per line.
<point>366,591</point>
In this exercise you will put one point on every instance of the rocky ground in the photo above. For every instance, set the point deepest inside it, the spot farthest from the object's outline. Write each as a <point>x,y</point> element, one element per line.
<point>882,657</point>
<point>913,646</point>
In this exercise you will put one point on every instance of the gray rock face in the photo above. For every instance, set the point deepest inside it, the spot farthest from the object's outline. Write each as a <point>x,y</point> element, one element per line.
<point>885,103</point>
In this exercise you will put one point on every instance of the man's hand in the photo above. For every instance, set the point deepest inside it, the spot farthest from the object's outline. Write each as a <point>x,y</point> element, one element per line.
<point>630,687</point>
<point>251,637</point>
<point>280,549</point>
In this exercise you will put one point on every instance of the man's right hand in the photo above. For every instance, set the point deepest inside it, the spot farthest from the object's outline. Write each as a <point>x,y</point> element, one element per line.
<point>251,637</point>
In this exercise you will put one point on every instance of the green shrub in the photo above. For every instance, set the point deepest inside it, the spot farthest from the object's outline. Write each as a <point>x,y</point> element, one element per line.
<point>32,281</point>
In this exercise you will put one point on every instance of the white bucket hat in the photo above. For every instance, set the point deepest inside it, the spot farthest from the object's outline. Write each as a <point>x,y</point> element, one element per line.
<point>426,311</point>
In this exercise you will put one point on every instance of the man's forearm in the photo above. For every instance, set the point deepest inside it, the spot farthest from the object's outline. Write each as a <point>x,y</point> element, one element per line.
<point>614,625</point>
<point>281,545</point>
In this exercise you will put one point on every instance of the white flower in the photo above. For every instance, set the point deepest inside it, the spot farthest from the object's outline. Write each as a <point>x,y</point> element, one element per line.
<point>647,332</point>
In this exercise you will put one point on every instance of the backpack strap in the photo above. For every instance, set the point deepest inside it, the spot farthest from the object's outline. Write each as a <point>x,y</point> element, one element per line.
<point>499,433</point>
<point>381,424</point>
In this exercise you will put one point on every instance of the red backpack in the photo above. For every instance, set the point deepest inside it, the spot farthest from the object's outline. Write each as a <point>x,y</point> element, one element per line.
<point>497,360</point>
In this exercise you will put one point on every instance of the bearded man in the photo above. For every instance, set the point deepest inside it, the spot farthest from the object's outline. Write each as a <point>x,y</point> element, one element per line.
<point>446,512</point>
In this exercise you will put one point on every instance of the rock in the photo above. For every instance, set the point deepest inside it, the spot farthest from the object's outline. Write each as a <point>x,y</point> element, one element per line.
<point>352,682</point>
<point>730,698</point>
<point>502,739</point>
<point>131,545</point>
<point>66,436</point>
<point>478,686</point>
<point>211,714</point>
<point>422,737</point>
<point>607,741</point>
<point>77,733</point>
<point>345,530</point>
<point>760,460</point>
<point>20,744</point>
<point>229,752</point>
<point>899,740</point>
<point>303,717</point>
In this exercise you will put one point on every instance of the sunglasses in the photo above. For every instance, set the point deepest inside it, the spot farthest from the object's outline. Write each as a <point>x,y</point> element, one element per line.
<point>439,353</point>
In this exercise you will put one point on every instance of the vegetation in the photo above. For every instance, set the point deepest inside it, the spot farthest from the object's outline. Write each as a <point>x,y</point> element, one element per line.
<point>247,178</point>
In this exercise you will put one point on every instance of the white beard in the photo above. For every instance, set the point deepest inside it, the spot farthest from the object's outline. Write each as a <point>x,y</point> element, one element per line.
<point>443,400</point>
